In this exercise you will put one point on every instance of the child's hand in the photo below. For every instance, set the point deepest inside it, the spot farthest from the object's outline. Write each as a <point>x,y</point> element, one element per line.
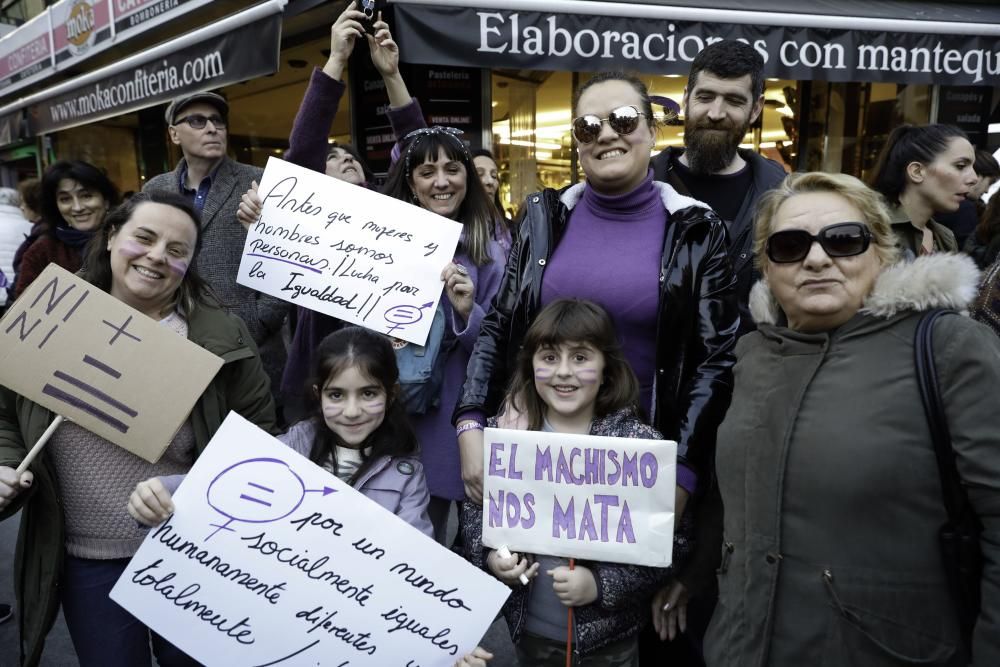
<point>575,587</point>
<point>478,658</point>
<point>150,503</point>
<point>509,570</point>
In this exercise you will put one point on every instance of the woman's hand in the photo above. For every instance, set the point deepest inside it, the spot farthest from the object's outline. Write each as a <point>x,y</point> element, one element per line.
<point>150,503</point>
<point>459,289</point>
<point>509,570</point>
<point>670,610</point>
<point>343,34</point>
<point>470,451</point>
<point>384,51</point>
<point>11,484</point>
<point>575,587</point>
<point>249,209</point>
<point>478,658</point>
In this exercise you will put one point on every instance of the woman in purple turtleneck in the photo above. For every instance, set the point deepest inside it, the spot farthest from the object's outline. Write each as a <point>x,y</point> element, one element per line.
<point>656,260</point>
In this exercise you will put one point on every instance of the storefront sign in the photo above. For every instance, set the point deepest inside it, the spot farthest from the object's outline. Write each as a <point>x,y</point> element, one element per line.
<point>270,560</point>
<point>80,28</point>
<point>26,54</point>
<point>580,496</point>
<point>211,63</point>
<point>446,35</point>
<point>968,108</point>
<point>134,16</point>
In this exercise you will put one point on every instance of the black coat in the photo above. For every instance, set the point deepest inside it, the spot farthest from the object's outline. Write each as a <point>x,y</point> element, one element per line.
<point>766,175</point>
<point>697,321</point>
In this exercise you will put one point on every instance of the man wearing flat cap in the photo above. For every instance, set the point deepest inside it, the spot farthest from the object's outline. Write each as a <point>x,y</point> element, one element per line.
<point>214,183</point>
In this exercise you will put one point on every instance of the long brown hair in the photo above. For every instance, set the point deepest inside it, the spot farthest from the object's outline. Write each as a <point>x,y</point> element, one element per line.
<point>573,321</point>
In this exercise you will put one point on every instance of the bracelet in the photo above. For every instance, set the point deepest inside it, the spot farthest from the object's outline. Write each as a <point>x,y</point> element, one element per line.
<point>468,426</point>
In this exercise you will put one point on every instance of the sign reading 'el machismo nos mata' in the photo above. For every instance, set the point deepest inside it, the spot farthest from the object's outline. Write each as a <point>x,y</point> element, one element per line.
<point>270,560</point>
<point>580,496</point>
<point>348,252</point>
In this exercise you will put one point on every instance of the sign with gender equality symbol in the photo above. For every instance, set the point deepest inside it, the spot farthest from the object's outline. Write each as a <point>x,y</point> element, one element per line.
<point>270,560</point>
<point>90,358</point>
<point>347,252</point>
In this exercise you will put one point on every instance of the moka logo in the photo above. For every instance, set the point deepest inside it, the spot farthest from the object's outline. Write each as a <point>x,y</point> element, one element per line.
<point>80,25</point>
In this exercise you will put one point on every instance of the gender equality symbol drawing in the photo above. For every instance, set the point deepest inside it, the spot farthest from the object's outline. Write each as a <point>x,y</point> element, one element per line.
<point>261,490</point>
<point>404,315</point>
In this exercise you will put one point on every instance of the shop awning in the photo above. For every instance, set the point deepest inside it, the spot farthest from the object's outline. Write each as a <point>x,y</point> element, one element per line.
<point>236,48</point>
<point>845,40</point>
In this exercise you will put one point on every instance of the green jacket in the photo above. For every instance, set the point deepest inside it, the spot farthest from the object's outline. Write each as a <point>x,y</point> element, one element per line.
<point>831,490</point>
<point>240,385</point>
<point>909,238</point>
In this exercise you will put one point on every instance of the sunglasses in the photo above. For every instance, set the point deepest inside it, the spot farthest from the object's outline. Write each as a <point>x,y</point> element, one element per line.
<point>845,239</point>
<point>198,121</point>
<point>623,120</point>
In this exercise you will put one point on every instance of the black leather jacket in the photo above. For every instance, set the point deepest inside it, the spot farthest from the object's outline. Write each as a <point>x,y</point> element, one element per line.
<point>697,325</point>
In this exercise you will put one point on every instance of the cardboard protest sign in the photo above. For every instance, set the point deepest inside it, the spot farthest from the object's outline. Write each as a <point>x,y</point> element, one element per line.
<point>580,496</point>
<point>270,560</point>
<point>89,357</point>
<point>347,252</point>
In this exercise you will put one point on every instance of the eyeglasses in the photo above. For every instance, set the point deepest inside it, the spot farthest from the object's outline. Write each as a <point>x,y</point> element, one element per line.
<point>844,239</point>
<point>623,120</point>
<point>198,121</point>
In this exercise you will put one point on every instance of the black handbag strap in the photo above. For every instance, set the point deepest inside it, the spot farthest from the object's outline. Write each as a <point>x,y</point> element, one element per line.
<point>955,499</point>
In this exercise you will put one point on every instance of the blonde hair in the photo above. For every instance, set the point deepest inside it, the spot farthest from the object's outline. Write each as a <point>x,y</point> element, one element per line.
<point>859,195</point>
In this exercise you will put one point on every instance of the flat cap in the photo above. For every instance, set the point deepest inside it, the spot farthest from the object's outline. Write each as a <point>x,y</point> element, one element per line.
<point>214,99</point>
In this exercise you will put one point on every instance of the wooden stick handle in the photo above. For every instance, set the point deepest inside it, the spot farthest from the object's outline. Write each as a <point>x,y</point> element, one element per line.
<point>569,626</point>
<point>41,443</point>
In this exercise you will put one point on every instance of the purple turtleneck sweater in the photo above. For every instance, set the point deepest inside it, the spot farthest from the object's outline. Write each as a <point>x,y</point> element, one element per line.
<point>611,254</point>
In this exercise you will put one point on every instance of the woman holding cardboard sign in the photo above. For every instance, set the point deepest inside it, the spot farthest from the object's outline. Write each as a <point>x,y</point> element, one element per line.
<point>76,537</point>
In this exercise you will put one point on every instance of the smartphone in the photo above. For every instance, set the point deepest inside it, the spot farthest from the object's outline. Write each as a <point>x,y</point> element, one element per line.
<point>371,9</point>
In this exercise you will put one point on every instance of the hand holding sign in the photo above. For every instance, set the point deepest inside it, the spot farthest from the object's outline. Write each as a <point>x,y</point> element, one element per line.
<point>13,483</point>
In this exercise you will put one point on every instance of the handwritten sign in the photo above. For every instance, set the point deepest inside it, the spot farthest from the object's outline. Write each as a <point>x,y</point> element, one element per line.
<point>89,357</point>
<point>580,496</point>
<point>348,252</point>
<point>270,560</point>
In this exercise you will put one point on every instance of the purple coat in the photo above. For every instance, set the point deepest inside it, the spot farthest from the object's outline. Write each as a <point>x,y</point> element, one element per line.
<point>438,442</point>
<point>396,483</point>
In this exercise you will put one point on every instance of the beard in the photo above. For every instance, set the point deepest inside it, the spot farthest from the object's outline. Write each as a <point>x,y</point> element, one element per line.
<point>710,147</point>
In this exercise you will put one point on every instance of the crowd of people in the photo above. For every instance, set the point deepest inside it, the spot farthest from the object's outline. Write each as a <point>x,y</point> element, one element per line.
<point>768,323</point>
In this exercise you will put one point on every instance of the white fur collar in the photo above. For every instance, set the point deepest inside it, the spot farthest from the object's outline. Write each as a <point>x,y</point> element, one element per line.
<point>673,201</point>
<point>941,280</point>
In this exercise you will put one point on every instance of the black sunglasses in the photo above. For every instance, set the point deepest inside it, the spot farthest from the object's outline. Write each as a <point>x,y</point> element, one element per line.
<point>198,121</point>
<point>844,239</point>
<point>623,120</point>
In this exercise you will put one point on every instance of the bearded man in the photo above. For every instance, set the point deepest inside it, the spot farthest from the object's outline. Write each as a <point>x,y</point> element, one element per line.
<point>723,98</point>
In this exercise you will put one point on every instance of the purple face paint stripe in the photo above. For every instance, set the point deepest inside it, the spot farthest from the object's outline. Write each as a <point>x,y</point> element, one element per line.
<point>96,393</point>
<point>69,399</point>
<point>76,305</point>
<point>255,500</point>
<point>87,359</point>
<point>278,259</point>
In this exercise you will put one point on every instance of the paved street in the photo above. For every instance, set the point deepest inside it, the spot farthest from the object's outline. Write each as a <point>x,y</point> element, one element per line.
<point>59,651</point>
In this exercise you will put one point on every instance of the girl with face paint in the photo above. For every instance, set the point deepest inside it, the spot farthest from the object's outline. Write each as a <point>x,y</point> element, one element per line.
<point>571,377</point>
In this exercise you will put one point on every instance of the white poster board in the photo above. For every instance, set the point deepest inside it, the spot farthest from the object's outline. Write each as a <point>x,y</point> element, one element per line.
<point>348,252</point>
<point>580,496</point>
<point>270,560</point>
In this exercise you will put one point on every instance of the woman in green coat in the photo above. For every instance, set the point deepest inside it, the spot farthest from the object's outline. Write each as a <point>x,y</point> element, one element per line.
<point>76,536</point>
<point>831,555</point>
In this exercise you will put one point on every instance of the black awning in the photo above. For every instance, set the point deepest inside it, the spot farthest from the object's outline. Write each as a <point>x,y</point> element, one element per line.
<point>846,40</point>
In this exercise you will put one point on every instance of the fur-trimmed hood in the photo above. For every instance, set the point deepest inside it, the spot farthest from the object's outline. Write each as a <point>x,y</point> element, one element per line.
<point>942,280</point>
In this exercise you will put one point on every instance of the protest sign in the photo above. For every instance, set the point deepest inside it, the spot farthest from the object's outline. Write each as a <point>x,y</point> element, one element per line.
<point>89,357</point>
<point>270,560</point>
<point>580,496</point>
<point>348,252</point>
